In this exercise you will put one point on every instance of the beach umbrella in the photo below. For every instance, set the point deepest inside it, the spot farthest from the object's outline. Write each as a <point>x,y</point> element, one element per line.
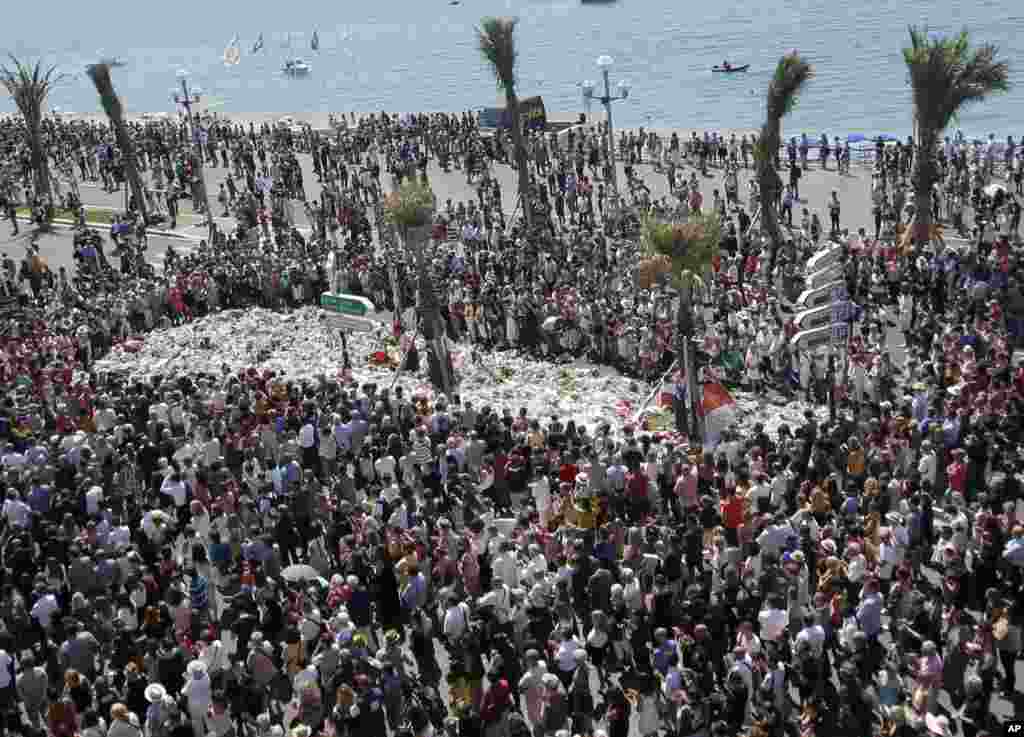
<point>885,137</point>
<point>992,189</point>
<point>855,138</point>
<point>300,572</point>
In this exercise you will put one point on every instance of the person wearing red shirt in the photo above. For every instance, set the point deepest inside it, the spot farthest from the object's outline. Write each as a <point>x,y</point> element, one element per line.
<point>732,516</point>
<point>637,495</point>
<point>957,472</point>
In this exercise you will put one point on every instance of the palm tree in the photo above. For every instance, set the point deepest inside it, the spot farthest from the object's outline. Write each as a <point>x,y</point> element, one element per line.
<point>30,86</point>
<point>679,253</point>
<point>100,76</point>
<point>411,209</point>
<point>497,40</point>
<point>946,74</point>
<point>791,74</point>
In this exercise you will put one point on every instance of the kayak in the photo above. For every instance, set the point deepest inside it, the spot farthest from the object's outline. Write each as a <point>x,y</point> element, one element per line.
<point>730,70</point>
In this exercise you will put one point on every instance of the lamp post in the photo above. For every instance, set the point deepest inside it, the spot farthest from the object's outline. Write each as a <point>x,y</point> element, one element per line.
<point>604,63</point>
<point>188,98</point>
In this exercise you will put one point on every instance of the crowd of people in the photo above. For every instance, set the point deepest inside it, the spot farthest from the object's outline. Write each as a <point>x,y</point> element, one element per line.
<point>242,553</point>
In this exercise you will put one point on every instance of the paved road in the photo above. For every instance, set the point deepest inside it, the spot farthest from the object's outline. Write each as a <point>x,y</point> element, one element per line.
<point>57,247</point>
<point>816,187</point>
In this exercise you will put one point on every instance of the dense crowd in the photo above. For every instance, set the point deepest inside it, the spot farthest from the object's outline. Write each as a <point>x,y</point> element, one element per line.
<point>241,553</point>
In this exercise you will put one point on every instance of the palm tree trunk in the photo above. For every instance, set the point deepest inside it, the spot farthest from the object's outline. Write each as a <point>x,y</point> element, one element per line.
<point>512,101</point>
<point>131,167</point>
<point>768,182</point>
<point>925,175</point>
<point>438,357</point>
<point>40,163</point>
<point>685,354</point>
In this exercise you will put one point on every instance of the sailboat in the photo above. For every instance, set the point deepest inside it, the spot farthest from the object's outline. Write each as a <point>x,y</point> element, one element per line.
<point>233,53</point>
<point>258,45</point>
<point>315,44</point>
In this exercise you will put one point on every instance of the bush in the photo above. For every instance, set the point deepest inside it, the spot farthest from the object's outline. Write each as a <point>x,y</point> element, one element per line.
<point>411,206</point>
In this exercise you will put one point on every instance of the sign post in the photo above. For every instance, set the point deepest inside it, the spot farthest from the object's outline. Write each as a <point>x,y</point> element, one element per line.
<point>346,312</point>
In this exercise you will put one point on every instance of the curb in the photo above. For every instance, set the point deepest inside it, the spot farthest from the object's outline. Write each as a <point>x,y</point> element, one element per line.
<point>71,225</point>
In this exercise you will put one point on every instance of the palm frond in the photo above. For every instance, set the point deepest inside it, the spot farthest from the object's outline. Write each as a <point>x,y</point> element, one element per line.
<point>682,251</point>
<point>791,74</point>
<point>496,38</point>
<point>29,86</point>
<point>100,76</point>
<point>946,75</point>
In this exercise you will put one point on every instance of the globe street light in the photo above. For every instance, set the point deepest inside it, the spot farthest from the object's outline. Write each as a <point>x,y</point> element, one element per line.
<point>604,63</point>
<point>188,98</point>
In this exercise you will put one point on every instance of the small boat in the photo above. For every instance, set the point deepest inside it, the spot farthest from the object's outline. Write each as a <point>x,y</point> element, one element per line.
<point>315,43</point>
<point>729,68</point>
<point>232,53</point>
<point>295,67</point>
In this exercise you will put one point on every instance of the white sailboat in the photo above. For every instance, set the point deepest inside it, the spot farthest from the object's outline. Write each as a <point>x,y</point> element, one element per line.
<point>233,52</point>
<point>315,44</point>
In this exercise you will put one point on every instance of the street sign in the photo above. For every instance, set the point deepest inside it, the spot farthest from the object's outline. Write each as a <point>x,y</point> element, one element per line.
<point>838,292</point>
<point>346,304</point>
<point>350,322</point>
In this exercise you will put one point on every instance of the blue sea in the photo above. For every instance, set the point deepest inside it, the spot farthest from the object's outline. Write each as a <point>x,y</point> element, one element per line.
<point>404,55</point>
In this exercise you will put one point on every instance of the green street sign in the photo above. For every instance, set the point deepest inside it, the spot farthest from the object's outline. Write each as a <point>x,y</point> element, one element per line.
<point>346,304</point>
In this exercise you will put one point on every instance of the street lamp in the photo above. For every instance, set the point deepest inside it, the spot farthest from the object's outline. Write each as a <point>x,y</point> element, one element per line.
<point>604,63</point>
<point>187,98</point>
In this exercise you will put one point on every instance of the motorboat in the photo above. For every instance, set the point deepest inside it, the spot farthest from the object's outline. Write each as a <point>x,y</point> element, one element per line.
<point>728,68</point>
<point>296,67</point>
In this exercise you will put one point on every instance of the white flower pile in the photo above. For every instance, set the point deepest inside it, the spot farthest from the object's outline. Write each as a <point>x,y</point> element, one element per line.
<point>300,346</point>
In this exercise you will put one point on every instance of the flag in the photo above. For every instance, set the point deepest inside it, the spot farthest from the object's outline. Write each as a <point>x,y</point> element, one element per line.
<point>718,409</point>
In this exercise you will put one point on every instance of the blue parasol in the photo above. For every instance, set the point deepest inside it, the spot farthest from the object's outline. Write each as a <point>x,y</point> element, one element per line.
<point>855,138</point>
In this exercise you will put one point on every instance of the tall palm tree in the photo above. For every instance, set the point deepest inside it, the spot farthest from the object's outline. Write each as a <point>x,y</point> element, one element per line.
<point>497,41</point>
<point>946,75</point>
<point>100,76</point>
<point>791,74</point>
<point>30,86</point>
<point>411,209</point>
<point>679,254</point>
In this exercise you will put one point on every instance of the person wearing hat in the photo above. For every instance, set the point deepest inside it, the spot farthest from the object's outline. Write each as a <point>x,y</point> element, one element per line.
<point>199,693</point>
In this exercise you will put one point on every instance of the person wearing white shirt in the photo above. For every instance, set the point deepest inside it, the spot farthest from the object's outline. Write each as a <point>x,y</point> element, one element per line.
<point>93,500</point>
<point>501,599</point>
<point>307,436</point>
<point>506,566</point>
<point>456,619</point>
<point>43,610</point>
<point>106,419</point>
<point>774,620</point>
<point>541,490</point>
<point>813,634</point>
<point>162,413</point>
<point>385,467</point>
<point>17,512</point>
<point>6,669</point>
<point>175,488</point>
<point>211,451</point>
<point>119,537</point>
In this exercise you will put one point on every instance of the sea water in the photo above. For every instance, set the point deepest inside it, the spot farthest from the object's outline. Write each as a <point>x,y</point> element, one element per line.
<point>405,55</point>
